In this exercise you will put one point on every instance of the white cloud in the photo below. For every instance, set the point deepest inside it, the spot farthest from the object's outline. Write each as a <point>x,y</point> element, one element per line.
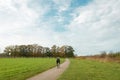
<point>16,19</point>
<point>12,17</point>
<point>62,4</point>
<point>96,28</point>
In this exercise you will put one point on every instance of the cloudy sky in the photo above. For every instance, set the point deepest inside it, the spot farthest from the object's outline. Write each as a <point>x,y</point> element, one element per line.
<point>90,26</point>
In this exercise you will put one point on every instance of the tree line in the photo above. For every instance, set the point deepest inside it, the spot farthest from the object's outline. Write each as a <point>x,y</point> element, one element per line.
<point>104,54</point>
<point>35,50</point>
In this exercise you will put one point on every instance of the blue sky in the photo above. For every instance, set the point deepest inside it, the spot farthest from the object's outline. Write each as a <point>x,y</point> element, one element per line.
<point>90,26</point>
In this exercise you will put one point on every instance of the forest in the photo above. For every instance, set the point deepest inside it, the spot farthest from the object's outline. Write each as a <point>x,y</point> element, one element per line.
<point>35,50</point>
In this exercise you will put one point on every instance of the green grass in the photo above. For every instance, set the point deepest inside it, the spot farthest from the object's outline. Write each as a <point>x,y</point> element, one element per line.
<point>91,70</point>
<point>22,68</point>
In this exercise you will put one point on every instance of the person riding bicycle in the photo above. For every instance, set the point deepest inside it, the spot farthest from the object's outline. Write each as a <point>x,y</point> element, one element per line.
<point>58,62</point>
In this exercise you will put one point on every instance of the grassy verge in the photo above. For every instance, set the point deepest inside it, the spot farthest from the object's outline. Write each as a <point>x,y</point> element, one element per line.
<point>91,70</point>
<point>22,68</point>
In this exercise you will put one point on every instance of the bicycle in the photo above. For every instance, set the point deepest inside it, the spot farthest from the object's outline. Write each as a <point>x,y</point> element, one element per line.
<point>58,65</point>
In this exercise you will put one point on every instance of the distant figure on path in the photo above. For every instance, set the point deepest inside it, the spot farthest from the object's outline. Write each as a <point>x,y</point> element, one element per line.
<point>58,62</point>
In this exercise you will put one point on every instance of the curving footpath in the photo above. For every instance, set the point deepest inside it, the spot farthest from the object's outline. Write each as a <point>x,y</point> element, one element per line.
<point>52,74</point>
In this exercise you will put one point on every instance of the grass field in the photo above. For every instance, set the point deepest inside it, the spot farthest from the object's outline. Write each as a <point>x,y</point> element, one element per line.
<point>91,70</point>
<point>22,68</point>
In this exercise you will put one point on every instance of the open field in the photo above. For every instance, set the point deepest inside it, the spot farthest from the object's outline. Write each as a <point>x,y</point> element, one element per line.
<point>22,68</point>
<point>91,70</point>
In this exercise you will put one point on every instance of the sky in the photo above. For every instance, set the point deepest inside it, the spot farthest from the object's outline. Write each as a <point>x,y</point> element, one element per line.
<point>89,26</point>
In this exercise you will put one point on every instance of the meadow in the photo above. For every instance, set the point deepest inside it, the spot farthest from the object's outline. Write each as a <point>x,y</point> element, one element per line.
<point>23,68</point>
<point>91,70</point>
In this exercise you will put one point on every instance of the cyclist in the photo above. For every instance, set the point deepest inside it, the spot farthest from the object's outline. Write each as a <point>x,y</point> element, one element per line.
<point>58,62</point>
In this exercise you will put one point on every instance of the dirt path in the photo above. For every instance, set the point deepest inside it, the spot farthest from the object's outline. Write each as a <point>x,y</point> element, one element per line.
<point>51,74</point>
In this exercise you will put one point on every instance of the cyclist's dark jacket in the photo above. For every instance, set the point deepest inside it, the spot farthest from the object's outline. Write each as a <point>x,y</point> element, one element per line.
<point>58,60</point>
